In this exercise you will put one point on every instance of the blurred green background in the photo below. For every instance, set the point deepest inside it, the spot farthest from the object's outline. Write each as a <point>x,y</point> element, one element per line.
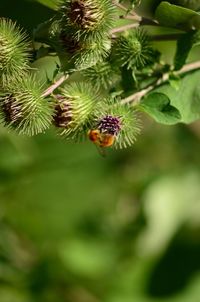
<point>76,227</point>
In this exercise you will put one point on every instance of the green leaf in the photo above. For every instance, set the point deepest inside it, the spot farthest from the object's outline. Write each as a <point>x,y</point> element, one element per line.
<point>174,81</point>
<point>187,98</point>
<point>158,106</point>
<point>192,4</point>
<point>49,3</point>
<point>176,16</point>
<point>184,44</point>
<point>149,7</point>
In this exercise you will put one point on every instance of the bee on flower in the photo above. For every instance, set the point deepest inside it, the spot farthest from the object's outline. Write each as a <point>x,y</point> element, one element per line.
<point>116,125</point>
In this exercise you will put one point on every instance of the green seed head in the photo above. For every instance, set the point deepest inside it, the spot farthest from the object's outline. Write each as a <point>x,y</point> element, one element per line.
<point>119,120</point>
<point>74,108</point>
<point>83,54</point>
<point>102,75</point>
<point>88,18</point>
<point>23,108</point>
<point>133,50</point>
<point>13,51</point>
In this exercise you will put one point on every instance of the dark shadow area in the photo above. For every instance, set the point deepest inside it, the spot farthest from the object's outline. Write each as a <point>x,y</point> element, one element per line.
<point>28,14</point>
<point>175,269</point>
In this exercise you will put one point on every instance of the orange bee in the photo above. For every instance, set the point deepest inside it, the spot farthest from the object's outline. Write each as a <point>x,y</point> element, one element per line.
<point>101,139</point>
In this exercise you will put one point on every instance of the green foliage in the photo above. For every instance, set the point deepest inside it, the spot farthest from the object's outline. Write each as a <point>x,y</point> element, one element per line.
<point>74,226</point>
<point>192,4</point>
<point>50,3</point>
<point>175,16</point>
<point>78,228</point>
<point>187,98</point>
<point>158,106</point>
<point>184,46</point>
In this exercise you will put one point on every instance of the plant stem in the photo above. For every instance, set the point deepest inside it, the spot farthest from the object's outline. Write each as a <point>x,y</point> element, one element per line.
<point>167,37</point>
<point>146,21</point>
<point>142,20</point>
<point>119,5</point>
<point>123,28</point>
<point>137,96</point>
<point>51,88</point>
<point>188,67</point>
<point>131,17</point>
<point>123,7</point>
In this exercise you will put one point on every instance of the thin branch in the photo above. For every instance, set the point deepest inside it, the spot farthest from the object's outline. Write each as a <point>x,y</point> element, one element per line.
<point>146,21</point>
<point>136,97</point>
<point>123,28</point>
<point>131,17</point>
<point>142,20</point>
<point>167,37</point>
<point>51,88</point>
<point>123,7</point>
<point>189,67</point>
<point>119,5</point>
<point>164,37</point>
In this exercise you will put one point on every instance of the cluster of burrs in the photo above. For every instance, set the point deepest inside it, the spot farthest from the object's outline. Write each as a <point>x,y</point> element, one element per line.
<point>80,35</point>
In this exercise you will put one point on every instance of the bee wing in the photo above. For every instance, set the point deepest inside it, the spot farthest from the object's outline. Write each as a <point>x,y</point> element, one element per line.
<point>101,151</point>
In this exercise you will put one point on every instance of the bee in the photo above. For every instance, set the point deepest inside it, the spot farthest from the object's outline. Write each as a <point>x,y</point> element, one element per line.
<point>101,139</point>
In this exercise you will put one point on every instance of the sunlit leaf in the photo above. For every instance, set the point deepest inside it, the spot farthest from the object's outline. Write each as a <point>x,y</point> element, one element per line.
<point>176,16</point>
<point>158,106</point>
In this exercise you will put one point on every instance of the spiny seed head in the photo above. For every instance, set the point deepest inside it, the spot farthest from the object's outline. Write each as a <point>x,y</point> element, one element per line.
<point>63,111</point>
<point>85,14</point>
<point>11,110</point>
<point>133,49</point>
<point>70,44</point>
<point>118,120</point>
<point>23,108</point>
<point>76,108</point>
<point>14,51</point>
<point>110,125</point>
<point>83,54</point>
<point>102,74</point>
<point>87,18</point>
